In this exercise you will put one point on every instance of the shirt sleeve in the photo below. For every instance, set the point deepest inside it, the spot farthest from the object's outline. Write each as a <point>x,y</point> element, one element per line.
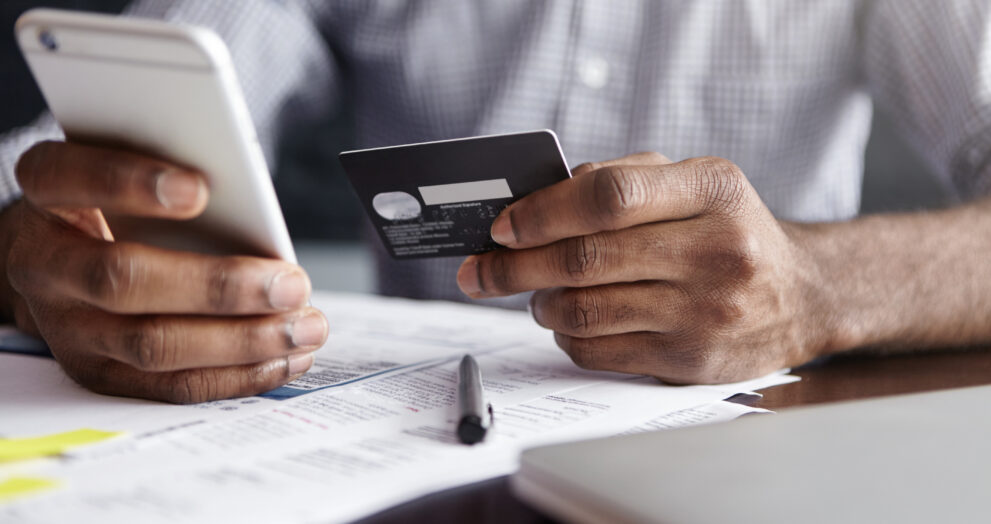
<point>928,64</point>
<point>286,70</point>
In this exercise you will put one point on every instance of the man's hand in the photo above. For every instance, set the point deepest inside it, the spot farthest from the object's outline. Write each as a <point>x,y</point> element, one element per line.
<point>643,266</point>
<point>129,319</point>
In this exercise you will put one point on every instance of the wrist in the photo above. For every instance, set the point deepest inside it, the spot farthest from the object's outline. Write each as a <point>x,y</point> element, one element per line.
<point>831,324</point>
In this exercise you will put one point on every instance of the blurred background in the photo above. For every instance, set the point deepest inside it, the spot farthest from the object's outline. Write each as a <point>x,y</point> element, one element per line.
<point>323,215</point>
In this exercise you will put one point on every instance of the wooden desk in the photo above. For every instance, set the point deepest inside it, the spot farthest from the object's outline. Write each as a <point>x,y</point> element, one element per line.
<point>830,380</point>
<point>855,377</point>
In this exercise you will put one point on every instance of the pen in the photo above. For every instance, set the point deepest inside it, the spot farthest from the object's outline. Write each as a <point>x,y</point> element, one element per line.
<point>476,416</point>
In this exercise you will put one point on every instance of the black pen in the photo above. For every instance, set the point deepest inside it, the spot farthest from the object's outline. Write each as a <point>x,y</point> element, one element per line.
<point>476,415</point>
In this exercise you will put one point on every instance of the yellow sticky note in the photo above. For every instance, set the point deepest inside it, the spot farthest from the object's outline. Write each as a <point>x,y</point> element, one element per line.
<point>12,449</point>
<point>16,487</point>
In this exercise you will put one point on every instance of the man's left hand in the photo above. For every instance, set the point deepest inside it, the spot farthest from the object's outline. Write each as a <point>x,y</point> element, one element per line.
<point>675,270</point>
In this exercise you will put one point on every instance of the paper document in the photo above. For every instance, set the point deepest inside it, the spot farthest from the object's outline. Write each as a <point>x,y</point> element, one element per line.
<point>372,425</point>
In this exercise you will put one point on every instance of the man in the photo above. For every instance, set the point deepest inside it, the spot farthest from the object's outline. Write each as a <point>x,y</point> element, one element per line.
<point>736,260</point>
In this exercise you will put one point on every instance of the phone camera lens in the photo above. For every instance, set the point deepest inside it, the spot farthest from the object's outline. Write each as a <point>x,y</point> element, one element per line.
<point>47,39</point>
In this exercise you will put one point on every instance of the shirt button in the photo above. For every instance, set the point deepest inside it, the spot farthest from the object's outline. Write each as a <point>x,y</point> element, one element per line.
<point>594,72</point>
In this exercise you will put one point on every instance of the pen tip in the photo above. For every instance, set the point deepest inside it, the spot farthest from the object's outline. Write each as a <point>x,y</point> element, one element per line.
<point>470,430</point>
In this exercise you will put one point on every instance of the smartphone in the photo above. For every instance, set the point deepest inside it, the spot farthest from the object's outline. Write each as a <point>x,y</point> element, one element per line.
<point>169,91</point>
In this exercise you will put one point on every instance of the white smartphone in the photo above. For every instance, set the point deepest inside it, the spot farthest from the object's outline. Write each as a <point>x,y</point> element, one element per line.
<point>170,91</point>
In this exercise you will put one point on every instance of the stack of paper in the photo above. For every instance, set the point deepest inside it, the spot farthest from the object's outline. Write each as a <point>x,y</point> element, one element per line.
<point>370,426</point>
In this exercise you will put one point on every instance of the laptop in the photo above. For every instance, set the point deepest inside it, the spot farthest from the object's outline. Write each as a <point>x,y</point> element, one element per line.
<point>913,458</point>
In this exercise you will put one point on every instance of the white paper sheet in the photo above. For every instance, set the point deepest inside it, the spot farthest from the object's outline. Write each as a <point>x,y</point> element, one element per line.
<point>371,426</point>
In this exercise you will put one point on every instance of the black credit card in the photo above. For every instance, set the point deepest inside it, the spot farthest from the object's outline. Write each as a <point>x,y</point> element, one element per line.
<point>438,199</point>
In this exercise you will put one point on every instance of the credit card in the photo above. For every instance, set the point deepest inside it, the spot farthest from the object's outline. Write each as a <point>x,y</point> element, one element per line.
<point>438,199</point>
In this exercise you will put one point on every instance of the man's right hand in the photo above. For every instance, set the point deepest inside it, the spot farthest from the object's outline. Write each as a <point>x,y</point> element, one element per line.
<point>128,319</point>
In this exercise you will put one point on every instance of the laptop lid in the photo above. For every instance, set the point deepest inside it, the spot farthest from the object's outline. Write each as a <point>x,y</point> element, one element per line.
<point>914,458</point>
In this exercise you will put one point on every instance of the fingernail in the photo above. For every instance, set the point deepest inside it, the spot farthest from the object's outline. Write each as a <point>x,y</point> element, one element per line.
<point>178,189</point>
<point>310,330</point>
<point>468,276</point>
<point>299,364</point>
<point>289,290</point>
<point>502,230</point>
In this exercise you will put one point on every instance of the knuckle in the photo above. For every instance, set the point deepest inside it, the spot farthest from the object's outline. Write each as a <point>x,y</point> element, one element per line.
<point>735,258</point>
<point>149,347</point>
<point>719,183</point>
<point>695,363</point>
<point>222,286</point>
<point>108,275</point>
<point>744,250</point>
<point>715,313</point>
<point>191,387</point>
<point>619,191</point>
<point>201,385</point>
<point>583,258</point>
<point>584,312</point>
<point>654,157</point>
<point>732,252</point>
<point>740,266</point>
<point>727,311</point>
